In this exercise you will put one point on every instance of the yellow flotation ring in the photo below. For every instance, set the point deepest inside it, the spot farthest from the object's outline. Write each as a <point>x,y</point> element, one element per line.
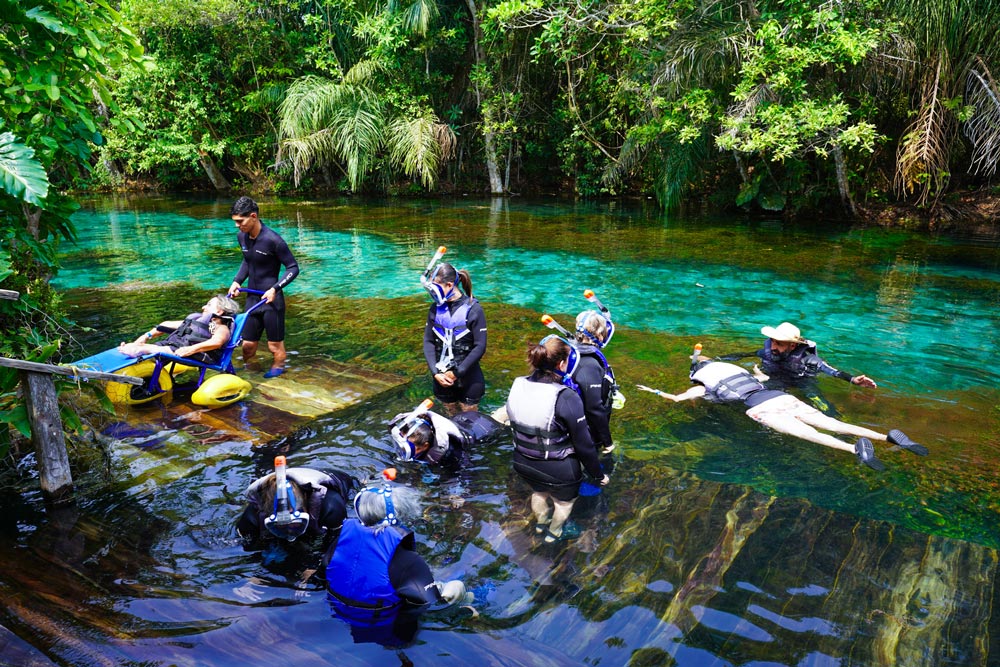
<point>131,394</point>
<point>220,390</point>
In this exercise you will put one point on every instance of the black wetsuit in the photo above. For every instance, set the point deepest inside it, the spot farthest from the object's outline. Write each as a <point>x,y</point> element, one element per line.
<point>561,477</point>
<point>595,389</point>
<point>263,258</point>
<point>470,383</point>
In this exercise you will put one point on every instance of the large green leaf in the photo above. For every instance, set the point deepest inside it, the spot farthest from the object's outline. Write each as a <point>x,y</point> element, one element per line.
<point>22,175</point>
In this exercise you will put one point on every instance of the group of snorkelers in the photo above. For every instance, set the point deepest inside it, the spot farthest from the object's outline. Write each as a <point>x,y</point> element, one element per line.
<point>559,417</point>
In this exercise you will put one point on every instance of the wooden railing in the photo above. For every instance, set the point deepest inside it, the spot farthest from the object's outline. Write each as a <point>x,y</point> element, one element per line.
<point>43,414</point>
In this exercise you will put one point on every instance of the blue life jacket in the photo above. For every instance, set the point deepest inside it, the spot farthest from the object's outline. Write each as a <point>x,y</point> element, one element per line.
<point>452,339</point>
<point>358,574</point>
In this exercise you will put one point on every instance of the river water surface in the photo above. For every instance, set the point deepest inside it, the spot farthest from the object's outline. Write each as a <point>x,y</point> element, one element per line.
<point>716,543</point>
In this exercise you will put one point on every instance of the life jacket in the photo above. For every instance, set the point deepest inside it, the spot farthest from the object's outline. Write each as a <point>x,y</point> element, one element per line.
<point>609,385</point>
<point>444,430</point>
<point>314,484</point>
<point>358,574</point>
<point>800,362</point>
<point>531,407</point>
<point>453,340</point>
<point>726,383</point>
<point>193,330</point>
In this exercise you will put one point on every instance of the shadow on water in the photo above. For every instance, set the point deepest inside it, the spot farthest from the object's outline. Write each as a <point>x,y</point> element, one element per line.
<point>716,543</point>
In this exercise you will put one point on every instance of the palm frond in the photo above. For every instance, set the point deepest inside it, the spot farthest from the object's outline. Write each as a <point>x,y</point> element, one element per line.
<point>983,129</point>
<point>413,145</point>
<point>923,155</point>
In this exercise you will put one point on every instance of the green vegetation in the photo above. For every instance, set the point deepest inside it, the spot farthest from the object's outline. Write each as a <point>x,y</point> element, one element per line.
<point>770,105</point>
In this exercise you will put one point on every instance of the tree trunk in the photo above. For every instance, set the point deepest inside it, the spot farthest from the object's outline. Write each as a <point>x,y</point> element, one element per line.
<point>212,171</point>
<point>842,185</point>
<point>492,166</point>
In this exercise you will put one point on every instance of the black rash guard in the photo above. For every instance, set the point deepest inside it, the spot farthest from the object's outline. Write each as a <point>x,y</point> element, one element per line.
<point>262,261</point>
<point>475,322</point>
<point>595,388</point>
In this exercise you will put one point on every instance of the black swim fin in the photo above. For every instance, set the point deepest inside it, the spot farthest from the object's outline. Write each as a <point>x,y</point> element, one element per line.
<point>900,439</point>
<point>866,454</point>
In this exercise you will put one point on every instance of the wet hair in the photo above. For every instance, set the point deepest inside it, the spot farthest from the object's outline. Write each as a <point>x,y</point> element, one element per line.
<point>243,207</point>
<point>548,357</point>
<point>371,506</point>
<point>447,273</point>
<point>594,323</point>
<point>229,306</point>
<point>269,489</point>
<point>421,435</point>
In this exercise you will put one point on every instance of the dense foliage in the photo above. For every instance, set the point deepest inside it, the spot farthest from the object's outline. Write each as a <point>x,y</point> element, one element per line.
<point>774,105</point>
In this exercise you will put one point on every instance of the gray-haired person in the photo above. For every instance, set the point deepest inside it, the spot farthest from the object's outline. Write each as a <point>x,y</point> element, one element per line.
<point>373,574</point>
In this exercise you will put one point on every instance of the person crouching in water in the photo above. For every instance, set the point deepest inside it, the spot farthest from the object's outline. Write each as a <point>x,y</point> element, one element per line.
<point>294,502</point>
<point>455,340</point>
<point>376,580</point>
<point>552,443</point>
<point>726,383</point>
<point>424,435</point>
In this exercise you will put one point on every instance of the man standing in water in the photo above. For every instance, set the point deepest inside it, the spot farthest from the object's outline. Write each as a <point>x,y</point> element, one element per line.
<point>264,253</point>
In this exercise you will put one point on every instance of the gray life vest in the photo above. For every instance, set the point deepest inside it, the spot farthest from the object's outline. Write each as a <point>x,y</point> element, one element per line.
<point>726,383</point>
<point>531,407</point>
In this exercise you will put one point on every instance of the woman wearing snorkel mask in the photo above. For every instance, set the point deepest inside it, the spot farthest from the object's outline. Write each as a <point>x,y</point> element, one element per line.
<point>595,377</point>
<point>426,436</point>
<point>454,339</point>
<point>313,503</point>
<point>552,442</point>
<point>376,580</point>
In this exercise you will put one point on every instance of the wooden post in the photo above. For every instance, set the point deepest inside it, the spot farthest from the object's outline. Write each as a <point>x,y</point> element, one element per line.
<point>47,435</point>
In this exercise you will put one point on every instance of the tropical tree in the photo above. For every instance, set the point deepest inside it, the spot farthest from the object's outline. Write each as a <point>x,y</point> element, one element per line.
<point>57,61</point>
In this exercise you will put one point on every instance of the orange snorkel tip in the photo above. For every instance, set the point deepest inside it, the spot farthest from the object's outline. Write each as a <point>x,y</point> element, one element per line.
<point>279,461</point>
<point>547,320</point>
<point>588,293</point>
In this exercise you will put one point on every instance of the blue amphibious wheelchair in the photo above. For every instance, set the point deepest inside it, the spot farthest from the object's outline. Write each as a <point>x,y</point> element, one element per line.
<point>160,371</point>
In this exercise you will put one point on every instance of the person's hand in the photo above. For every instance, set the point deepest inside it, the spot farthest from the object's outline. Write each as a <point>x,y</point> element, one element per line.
<point>863,381</point>
<point>452,591</point>
<point>248,592</point>
<point>445,379</point>
<point>234,289</point>
<point>605,480</point>
<point>269,295</point>
<point>184,351</point>
<point>759,374</point>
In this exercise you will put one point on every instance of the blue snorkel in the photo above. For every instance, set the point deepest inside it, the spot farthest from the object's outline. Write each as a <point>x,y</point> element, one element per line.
<point>574,356</point>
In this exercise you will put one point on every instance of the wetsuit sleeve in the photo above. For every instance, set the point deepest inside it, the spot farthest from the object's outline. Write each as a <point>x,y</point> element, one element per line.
<point>242,274</point>
<point>814,361</point>
<point>412,578</point>
<point>590,377</point>
<point>569,409</point>
<point>429,351</point>
<point>285,256</point>
<point>476,322</point>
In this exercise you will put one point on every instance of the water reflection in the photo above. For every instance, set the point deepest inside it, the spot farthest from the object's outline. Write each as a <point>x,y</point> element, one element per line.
<point>716,543</point>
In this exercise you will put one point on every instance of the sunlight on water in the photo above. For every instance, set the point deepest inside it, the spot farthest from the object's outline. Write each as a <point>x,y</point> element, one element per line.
<point>716,543</point>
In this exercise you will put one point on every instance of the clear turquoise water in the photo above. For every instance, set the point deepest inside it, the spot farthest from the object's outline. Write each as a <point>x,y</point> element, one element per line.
<point>717,543</point>
<point>917,314</point>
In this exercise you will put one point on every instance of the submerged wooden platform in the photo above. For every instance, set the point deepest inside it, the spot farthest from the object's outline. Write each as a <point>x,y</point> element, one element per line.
<point>309,388</point>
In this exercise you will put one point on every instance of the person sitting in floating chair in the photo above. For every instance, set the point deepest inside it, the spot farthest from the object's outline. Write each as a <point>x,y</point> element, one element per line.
<point>721,382</point>
<point>200,336</point>
<point>424,435</point>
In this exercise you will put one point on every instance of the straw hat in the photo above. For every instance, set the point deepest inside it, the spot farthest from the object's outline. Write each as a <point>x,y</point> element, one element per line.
<point>786,332</point>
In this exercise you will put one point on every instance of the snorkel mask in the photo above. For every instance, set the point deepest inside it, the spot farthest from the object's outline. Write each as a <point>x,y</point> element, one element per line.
<point>405,449</point>
<point>390,511</point>
<point>603,310</point>
<point>287,522</point>
<point>574,357</point>
<point>436,291</point>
